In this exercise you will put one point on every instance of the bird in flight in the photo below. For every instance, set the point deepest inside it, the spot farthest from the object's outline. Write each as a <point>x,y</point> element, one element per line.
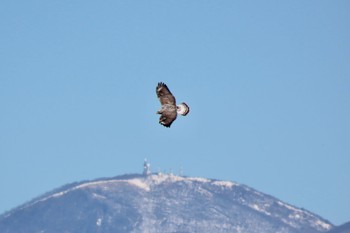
<point>169,109</point>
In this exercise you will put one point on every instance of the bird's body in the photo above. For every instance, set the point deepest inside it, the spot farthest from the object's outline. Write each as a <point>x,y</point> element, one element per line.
<point>169,109</point>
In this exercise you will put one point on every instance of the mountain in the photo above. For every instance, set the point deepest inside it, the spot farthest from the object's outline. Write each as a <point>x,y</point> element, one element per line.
<point>159,203</point>
<point>345,228</point>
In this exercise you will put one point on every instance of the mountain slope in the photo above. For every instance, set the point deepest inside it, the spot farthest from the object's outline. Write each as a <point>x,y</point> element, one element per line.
<point>345,228</point>
<point>159,203</point>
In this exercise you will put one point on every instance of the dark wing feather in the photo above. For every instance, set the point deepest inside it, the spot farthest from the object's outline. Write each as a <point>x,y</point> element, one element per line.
<point>168,102</point>
<point>164,94</point>
<point>167,117</point>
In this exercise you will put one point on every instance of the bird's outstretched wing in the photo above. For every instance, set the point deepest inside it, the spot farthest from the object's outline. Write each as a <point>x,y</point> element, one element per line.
<point>164,94</point>
<point>168,102</point>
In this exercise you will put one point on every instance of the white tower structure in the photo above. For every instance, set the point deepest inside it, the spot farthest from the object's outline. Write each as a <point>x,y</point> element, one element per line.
<point>146,168</point>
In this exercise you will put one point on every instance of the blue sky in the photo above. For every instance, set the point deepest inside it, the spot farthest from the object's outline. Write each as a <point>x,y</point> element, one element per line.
<point>267,82</point>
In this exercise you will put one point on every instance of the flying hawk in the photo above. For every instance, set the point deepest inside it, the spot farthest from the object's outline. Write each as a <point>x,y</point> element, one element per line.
<point>169,109</point>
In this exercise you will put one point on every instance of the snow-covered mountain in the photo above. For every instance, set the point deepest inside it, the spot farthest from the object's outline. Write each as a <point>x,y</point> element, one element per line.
<point>159,203</point>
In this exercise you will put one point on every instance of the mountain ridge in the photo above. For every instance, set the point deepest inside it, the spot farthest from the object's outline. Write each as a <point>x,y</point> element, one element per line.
<point>344,228</point>
<point>162,203</point>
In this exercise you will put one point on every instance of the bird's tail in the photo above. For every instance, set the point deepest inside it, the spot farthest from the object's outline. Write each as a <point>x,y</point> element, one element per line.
<point>183,109</point>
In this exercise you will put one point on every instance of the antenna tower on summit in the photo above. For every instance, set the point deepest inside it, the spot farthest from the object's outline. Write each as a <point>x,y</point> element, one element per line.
<point>146,168</point>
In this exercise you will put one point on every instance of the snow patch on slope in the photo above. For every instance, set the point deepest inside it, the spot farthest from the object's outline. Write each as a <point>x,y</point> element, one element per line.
<point>224,184</point>
<point>260,209</point>
<point>140,184</point>
<point>160,178</point>
<point>297,214</point>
